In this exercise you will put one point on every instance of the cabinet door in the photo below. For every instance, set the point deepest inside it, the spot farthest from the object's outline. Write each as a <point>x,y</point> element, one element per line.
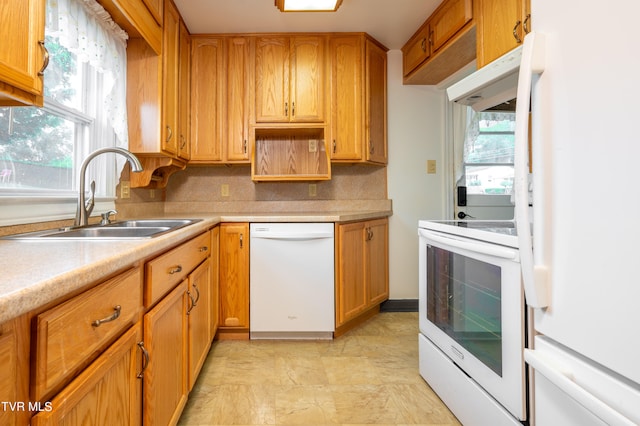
<point>450,17</point>
<point>272,79</point>
<point>351,297</point>
<point>307,67</point>
<point>207,68</point>
<point>376,103</point>
<point>171,35</point>
<point>501,28</point>
<point>22,54</point>
<point>347,115</point>
<point>107,393</point>
<point>377,254</point>
<point>240,52</point>
<point>416,50</point>
<point>165,379</point>
<point>234,275</point>
<point>184,94</point>
<point>199,318</point>
<point>14,374</point>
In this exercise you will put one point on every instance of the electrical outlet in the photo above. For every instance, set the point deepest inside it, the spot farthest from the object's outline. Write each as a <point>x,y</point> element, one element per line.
<point>313,145</point>
<point>224,190</point>
<point>152,193</point>
<point>312,190</point>
<point>431,166</point>
<point>125,189</point>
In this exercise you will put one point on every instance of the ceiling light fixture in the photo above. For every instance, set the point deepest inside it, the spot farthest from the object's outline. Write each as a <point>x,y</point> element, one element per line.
<point>308,5</point>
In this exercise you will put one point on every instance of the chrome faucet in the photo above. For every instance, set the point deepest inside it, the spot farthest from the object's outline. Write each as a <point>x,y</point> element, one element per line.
<point>86,207</point>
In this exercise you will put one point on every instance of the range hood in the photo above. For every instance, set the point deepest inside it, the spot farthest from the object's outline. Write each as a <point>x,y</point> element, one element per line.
<point>491,85</point>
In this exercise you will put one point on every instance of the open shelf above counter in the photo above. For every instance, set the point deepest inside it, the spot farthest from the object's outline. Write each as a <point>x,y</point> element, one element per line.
<point>290,154</point>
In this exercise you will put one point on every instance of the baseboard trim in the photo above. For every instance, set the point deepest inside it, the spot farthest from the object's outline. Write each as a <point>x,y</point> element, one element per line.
<point>399,305</point>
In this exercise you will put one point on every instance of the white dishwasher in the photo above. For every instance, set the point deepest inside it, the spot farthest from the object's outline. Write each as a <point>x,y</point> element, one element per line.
<point>291,290</point>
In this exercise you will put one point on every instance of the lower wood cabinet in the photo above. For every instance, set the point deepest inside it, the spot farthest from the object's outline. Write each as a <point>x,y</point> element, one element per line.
<point>234,280</point>
<point>106,393</point>
<point>199,311</point>
<point>362,268</point>
<point>165,379</point>
<point>14,372</point>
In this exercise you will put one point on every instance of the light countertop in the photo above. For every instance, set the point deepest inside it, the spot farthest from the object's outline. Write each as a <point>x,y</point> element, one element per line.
<point>38,272</point>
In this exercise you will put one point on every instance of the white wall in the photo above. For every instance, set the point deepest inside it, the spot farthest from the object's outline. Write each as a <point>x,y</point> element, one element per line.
<point>415,134</point>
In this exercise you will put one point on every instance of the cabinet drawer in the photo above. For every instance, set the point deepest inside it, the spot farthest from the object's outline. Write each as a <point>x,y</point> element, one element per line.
<point>73,333</point>
<point>167,270</point>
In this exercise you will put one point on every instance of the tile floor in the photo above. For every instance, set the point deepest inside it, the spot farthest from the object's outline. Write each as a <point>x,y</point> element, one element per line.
<point>368,376</point>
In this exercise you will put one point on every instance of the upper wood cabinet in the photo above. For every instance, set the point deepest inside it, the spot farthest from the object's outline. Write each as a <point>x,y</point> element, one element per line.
<point>290,79</point>
<point>184,93</point>
<point>358,101</point>
<point>156,7</point>
<point>207,99</point>
<point>239,97</point>
<point>502,26</point>
<point>23,56</point>
<point>442,45</point>
<point>221,98</point>
<point>154,98</point>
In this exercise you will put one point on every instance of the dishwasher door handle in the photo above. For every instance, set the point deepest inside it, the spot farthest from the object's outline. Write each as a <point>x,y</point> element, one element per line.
<point>293,236</point>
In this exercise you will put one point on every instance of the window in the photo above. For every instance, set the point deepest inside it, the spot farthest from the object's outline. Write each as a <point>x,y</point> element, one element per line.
<point>488,153</point>
<point>41,149</point>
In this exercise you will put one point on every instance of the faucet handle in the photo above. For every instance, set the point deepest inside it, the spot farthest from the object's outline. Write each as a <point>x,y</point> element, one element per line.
<point>105,217</point>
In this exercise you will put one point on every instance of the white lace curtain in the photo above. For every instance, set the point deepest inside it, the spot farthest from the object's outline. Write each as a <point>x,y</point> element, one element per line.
<point>87,30</point>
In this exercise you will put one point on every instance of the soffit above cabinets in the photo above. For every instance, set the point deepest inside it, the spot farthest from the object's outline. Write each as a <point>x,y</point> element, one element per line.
<point>391,22</point>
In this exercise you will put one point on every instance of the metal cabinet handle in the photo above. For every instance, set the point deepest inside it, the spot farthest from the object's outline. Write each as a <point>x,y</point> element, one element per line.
<point>45,53</point>
<point>193,303</point>
<point>195,287</point>
<point>175,269</point>
<point>293,109</point>
<point>423,45</point>
<point>241,240</point>
<point>372,147</point>
<point>244,146</point>
<point>114,316</point>
<point>334,146</point>
<point>184,141</point>
<point>286,108</point>
<point>203,249</point>
<point>525,26</point>
<point>145,364</point>
<point>169,133</point>
<point>515,32</point>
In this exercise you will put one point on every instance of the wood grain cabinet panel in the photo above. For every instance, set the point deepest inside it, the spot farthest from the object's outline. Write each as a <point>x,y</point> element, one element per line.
<point>73,333</point>
<point>165,379</point>
<point>22,56</point>
<point>290,79</point>
<point>108,392</point>
<point>14,373</point>
<point>502,25</point>
<point>234,277</point>
<point>362,268</point>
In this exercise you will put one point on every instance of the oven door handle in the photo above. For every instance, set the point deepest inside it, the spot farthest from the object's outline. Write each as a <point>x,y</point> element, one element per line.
<point>488,249</point>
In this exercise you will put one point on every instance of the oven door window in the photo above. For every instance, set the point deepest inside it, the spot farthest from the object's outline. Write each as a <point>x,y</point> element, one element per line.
<point>464,301</point>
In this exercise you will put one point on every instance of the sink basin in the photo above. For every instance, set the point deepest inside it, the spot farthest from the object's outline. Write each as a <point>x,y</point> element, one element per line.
<point>125,230</point>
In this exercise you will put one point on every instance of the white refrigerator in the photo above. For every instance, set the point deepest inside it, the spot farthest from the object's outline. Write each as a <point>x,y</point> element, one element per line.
<point>582,277</point>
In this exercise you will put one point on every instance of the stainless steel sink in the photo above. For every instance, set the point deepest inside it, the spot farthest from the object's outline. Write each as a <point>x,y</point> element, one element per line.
<point>125,230</point>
